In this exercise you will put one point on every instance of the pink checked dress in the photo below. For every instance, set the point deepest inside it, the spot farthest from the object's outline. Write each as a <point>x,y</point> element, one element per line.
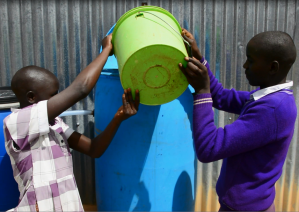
<point>41,160</point>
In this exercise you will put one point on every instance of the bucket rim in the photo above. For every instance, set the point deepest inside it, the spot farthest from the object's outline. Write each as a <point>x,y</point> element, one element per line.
<point>143,8</point>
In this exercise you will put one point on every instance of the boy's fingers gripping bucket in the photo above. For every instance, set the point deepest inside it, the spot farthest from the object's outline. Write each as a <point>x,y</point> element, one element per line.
<point>148,47</point>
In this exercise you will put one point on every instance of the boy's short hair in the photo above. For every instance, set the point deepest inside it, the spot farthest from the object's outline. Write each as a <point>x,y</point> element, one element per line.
<point>277,45</point>
<point>30,76</point>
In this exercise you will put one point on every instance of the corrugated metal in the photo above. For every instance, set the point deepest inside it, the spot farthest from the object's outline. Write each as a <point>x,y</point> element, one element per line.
<point>64,36</point>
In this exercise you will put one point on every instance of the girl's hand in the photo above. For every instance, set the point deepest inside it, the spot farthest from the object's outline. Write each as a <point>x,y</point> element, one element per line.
<point>107,44</point>
<point>129,107</point>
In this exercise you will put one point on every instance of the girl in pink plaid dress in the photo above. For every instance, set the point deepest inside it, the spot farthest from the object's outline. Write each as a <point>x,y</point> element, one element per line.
<point>38,142</point>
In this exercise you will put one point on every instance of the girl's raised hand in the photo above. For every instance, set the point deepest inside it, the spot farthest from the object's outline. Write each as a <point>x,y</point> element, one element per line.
<point>130,106</point>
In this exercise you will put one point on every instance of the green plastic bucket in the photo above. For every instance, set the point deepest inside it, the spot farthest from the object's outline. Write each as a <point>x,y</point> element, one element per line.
<point>148,47</point>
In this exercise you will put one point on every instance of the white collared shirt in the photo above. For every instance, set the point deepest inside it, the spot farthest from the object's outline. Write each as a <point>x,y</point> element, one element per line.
<point>263,92</point>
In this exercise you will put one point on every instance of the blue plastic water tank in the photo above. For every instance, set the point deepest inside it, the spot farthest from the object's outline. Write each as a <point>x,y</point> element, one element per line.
<point>9,193</point>
<point>150,164</point>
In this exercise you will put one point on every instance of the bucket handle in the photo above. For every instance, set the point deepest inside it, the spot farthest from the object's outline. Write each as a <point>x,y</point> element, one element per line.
<point>189,46</point>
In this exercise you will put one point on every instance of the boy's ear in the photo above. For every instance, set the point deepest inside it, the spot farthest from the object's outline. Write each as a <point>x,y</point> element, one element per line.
<point>274,67</point>
<point>30,97</point>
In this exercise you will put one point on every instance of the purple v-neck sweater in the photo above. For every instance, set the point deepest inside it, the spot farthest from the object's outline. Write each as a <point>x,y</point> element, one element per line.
<point>253,148</point>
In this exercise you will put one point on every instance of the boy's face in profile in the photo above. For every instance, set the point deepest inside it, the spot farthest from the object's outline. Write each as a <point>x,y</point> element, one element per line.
<point>256,66</point>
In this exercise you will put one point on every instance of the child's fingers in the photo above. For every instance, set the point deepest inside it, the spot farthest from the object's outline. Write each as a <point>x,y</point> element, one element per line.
<point>187,34</point>
<point>137,99</point>
<point>183,70</point>
<point>195,58</point>
<point>125,101</point>
<point>187,38</point>
<point>109,36</point>
<point>130,98</point>
<point>197,63</point>
<point>126,95</point>
<point>192,69</point>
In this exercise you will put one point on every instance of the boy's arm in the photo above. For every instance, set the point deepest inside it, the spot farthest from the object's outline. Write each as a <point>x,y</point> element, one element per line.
<point>82,85</point>
<point>97,146</point>
<point>223,99</point>
<point>228,100</point>
<point>245,134</point>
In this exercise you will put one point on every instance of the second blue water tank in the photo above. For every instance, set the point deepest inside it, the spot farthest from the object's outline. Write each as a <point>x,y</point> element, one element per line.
<point>150,164</point>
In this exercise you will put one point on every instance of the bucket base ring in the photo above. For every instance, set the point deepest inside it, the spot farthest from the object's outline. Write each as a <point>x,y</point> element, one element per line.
<point>160,73</point>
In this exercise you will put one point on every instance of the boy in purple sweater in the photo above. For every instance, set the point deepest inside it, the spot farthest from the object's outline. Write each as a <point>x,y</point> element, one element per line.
<point>255,146</point>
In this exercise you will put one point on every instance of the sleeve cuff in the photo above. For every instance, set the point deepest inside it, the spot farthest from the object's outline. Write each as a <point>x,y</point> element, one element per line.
<point>203,61</point>
<point>68,133</point>
<point>201,96</point>
<point>202,99</point>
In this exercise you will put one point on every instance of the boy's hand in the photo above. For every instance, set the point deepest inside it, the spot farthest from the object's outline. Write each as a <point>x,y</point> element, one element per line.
<point>197,75</point>
<point>129,107</point>
<point>191,40</point>
<point>107,44</point>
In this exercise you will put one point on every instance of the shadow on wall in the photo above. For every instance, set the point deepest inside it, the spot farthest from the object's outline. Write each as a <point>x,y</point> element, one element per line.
<point>118,171</point>
<point>142,198</point>
<point>183,194</point>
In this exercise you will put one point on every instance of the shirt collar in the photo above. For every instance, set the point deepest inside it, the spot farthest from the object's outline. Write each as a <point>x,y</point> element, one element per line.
<point>263,92</point>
